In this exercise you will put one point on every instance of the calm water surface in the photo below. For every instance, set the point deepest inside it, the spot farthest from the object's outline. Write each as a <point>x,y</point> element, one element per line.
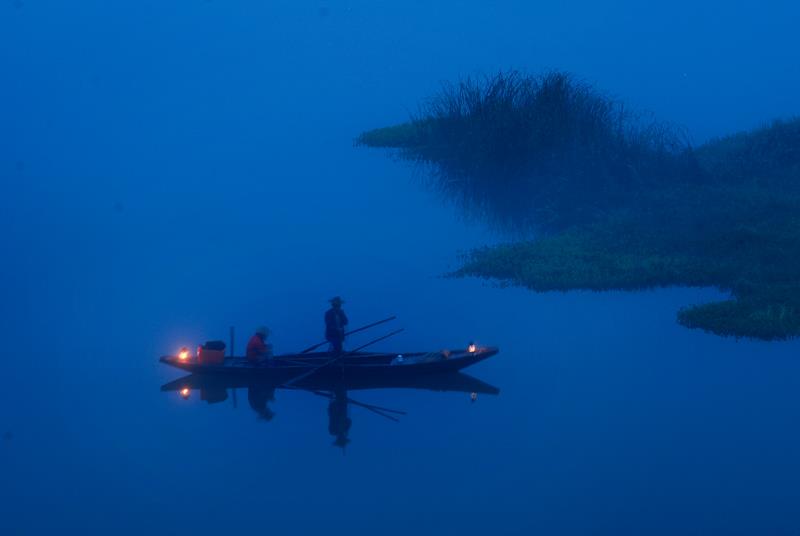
<point>169,171</point>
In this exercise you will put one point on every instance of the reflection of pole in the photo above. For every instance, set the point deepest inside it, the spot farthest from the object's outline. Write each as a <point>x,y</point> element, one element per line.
<point>233,389</point>
<point>371,407</point>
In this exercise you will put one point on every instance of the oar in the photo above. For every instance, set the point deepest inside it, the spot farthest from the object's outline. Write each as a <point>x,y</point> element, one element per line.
<point>337,358</point>
<point>362,328</point>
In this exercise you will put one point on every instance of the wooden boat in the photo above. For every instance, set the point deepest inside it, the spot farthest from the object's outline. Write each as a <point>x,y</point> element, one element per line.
<point>355,367</point>
<point>331,377</point>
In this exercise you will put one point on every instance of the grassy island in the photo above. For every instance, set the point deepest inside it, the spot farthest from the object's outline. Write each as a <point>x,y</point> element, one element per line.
<point>617,200</point>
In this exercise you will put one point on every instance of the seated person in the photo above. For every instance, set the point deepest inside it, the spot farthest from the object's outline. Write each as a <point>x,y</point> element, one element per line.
<point>257,347</point>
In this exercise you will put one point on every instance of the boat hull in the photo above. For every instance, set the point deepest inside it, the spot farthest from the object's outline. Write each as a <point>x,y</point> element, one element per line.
<point>364,367</point>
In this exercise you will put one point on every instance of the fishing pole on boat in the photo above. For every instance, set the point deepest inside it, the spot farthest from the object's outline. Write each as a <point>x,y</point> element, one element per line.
<point>373,341</point>
<point>362,328</point>
<point>339,357</point>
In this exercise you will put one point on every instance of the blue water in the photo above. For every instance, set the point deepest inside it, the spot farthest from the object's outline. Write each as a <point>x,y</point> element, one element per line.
<point>172,169</point>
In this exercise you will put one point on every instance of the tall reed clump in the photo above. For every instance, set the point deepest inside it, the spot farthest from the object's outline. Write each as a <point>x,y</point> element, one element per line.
<point>536,151</point>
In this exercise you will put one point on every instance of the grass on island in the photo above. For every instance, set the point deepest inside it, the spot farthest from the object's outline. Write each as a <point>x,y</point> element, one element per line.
<point>619,201</point>
<point>755,258</point>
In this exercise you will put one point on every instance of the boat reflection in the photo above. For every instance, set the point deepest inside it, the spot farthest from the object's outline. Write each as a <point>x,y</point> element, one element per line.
<point>215,388</point>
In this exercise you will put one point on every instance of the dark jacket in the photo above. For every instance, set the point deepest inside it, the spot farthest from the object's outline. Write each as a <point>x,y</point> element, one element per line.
<point>335,322</point>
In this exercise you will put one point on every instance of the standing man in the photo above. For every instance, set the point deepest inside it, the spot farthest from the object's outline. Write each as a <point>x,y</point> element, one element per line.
<point>335,322</point>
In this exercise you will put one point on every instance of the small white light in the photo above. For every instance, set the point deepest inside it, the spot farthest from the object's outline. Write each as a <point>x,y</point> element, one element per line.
<point>183,355</point>
<point>472,348</point>
<point>185,392</point>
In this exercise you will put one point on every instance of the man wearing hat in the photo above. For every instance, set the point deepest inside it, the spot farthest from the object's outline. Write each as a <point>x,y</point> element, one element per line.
<point>335,322</point>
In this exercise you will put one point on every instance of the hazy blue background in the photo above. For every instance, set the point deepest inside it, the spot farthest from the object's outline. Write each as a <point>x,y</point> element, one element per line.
<point>168,169</point>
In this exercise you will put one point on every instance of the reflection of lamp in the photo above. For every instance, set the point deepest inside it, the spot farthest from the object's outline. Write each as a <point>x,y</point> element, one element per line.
<point>183,355</point>
<point>185,392</point>
<point>472,348</point>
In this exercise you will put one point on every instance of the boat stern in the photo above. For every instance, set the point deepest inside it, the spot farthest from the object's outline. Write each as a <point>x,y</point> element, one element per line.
<point>178,361</point>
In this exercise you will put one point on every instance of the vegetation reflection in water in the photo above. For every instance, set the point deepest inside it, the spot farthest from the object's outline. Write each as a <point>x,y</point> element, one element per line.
<point>617,200</point>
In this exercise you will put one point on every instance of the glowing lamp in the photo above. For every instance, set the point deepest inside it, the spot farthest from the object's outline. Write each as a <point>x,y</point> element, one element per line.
<point>472,348</point>
<point>183,355</point>
<point>185,392</point>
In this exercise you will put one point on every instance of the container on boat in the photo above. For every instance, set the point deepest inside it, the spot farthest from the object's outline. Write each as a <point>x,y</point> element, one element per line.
<point>210,357</point>
<point>211,353</point>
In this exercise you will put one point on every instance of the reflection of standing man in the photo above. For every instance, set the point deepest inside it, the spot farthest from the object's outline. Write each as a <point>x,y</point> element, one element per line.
<point>335,322</point>
<point>338,421</point>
